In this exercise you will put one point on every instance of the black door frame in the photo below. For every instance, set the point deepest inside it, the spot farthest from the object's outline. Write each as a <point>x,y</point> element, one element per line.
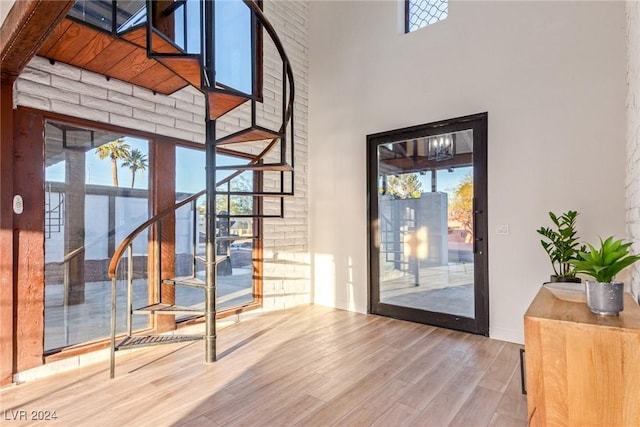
<point>479,324</point>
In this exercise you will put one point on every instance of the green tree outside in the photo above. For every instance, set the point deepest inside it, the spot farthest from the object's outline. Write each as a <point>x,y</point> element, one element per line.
<point>115,150</point>
<point>461,205</point>
<point>240,205</point>
<point>135,162</point>
<point>406,186</point>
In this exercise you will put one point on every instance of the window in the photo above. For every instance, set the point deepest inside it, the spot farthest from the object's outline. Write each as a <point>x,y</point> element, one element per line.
<point>420,13</point>
<point>236,285</point>
<point>96,192</point>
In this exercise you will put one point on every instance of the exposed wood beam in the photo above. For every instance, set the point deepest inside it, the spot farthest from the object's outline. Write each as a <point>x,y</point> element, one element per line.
<point>6,233</point>
<point>162,158</point>
<point>25,29</point>
<point>28,237</point>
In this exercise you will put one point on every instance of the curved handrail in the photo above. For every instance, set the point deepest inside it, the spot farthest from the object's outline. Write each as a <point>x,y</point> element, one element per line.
<point>60,203</point>
<point>115,258</point>
<point>253,6</point>
<point>74,253</point>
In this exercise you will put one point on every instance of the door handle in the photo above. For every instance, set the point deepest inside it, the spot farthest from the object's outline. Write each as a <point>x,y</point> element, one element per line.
<point>476,212</point>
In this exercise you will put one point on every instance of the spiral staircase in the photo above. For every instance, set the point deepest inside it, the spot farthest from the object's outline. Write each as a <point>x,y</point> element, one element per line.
<point>152,44</point>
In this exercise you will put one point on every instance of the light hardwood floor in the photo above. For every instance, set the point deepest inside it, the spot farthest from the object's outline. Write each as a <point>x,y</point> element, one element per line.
<point>309,366</point>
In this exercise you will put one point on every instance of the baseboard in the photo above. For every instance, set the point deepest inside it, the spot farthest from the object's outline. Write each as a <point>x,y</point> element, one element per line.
<point>509,335</point>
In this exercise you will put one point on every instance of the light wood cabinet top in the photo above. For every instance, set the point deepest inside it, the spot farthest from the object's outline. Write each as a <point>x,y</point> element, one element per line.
<point>547,306</point>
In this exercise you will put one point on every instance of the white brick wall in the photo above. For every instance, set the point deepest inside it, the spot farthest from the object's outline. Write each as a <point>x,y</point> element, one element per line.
<point>633,134</point>
<point>286,267</point>
<point>287,263</point>
<point>68,90</point>
<point>79,93</point>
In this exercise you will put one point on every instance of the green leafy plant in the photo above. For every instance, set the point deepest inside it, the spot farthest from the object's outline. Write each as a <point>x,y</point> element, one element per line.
<point>561,243</point>
<point>604,263</point>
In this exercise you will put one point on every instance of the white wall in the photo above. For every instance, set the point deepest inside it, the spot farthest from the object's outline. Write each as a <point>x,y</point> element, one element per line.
<point>551,75</point>
<point>633,133</point>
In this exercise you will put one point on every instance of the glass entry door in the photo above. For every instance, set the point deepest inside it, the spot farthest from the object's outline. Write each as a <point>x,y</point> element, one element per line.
<point>427,192</point>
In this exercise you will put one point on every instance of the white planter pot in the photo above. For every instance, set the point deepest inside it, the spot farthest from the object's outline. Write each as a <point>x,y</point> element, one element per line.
<point>605,298</point>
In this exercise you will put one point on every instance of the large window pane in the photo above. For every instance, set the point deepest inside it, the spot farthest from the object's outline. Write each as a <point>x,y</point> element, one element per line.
<point>425,201</point>
<point>233,44</point>
<point>235,245</point>
<point>96,192</point>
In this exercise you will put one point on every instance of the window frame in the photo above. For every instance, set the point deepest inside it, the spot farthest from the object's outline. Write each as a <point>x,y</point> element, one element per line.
<point>90,346</point>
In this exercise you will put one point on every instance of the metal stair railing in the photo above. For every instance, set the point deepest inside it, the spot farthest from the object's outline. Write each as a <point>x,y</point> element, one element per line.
<point>393,247</point>
<point>127,246</point>
<point>53,215</point>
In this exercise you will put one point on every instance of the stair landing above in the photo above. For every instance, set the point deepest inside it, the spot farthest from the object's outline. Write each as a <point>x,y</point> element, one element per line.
<point>85,47</point>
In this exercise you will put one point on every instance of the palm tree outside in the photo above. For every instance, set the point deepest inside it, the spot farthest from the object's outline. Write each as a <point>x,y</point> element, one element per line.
<point>115,150</point>
<point>135,162</point>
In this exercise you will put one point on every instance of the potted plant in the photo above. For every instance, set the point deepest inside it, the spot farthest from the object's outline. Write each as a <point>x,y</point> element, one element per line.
<point>604,295</point>
<point>562,246</point>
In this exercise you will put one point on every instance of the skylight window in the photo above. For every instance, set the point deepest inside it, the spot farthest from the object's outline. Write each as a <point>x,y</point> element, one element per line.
<point>420,13</point>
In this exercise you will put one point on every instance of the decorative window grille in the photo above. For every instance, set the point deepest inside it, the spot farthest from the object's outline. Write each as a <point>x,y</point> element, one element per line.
<point>420,13</point>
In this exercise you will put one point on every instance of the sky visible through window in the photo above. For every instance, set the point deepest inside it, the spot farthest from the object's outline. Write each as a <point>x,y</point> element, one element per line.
<point>447,181</point>
<point>190,168</point>
<point>233,44</point>
<point>98,171</point>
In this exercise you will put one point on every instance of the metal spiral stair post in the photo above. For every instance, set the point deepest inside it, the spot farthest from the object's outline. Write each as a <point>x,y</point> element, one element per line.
<point>199,70</point>
<point>208,46</point>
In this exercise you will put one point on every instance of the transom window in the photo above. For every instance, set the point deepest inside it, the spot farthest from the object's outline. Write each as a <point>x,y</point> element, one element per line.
<point>420,13</point>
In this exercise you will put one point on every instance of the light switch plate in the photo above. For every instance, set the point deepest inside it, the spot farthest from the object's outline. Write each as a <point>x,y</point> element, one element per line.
<point>502,229</point>
<point>18,205</point>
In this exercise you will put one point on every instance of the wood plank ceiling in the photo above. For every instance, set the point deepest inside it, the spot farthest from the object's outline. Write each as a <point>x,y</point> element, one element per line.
<point>121,58</point>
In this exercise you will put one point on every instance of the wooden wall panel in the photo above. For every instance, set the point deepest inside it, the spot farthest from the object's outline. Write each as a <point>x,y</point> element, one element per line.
<point>6,232</point>
<point>163,196</point>
<point>29,238</point>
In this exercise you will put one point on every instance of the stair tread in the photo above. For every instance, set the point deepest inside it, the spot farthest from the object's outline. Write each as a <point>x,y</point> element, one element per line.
<point>257,194</point>
<point>187,67</point>
<point>149,340</point>
<point>221,101</point>
<point>277,167</point>
<point>233,238</point>
<point>162,308</point>
<point>248,135</point>
<point>190,281</point>
<point>219,258</point>
<point>159,44</point>
<point>138,36</point>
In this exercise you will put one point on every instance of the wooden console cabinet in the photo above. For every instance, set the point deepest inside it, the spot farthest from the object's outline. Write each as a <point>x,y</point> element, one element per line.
<point>581,369</point>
